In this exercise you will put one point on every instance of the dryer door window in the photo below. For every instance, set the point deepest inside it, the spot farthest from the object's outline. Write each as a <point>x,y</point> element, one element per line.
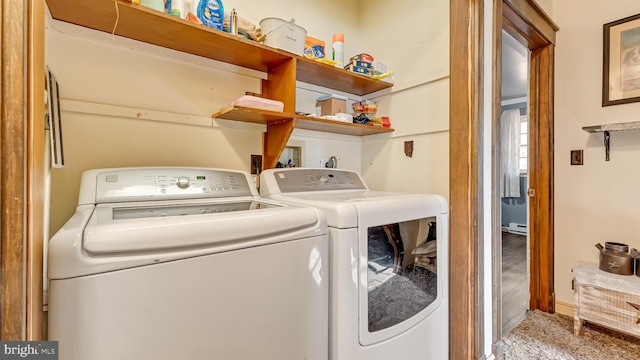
<point>402,277</point>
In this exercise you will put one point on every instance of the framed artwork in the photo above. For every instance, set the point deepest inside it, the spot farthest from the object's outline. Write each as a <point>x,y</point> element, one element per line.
<point>621,63</point>
<point>54,123</point>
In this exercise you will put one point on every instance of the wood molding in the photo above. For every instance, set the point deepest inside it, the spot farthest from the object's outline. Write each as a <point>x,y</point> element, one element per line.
<point>12,168</point>
<point>496,202</point>
<point>465,101</point>
<point>541,160</point>
<point>530,21</point>
<point>35,184</point>
<point>564,308</point>
<point>22,169</point>
<point>540,42</point>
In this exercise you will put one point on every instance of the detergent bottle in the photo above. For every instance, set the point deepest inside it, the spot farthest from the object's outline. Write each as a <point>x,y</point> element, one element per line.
<point>211,13</point>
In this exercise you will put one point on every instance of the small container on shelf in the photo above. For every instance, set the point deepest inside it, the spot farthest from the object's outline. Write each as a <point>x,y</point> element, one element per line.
<point>255,102</point>
<point>368,107</point>
<point>331,104</point>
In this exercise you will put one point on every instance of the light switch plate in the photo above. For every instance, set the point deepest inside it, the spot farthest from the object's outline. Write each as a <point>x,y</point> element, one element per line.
<point>408,148</point>
<point>256,164</point>
<point>576,157</point>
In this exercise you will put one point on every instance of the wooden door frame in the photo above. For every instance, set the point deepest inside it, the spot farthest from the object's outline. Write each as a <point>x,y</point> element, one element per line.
<point>21,169</point>
<point>527,23</point>
<point>532,27</point>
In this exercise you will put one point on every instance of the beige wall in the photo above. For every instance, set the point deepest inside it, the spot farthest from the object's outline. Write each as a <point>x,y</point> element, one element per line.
<point>321,18</point>
<point>413,40</point>
<point>91,69</point>
<point>598,201</point>
<point>547,6</point>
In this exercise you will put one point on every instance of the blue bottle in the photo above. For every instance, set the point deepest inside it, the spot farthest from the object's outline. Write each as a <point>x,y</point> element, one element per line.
<point>211,13</point>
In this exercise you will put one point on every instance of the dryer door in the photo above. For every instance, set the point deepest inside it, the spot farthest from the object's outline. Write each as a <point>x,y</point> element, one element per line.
<point>401,264</point>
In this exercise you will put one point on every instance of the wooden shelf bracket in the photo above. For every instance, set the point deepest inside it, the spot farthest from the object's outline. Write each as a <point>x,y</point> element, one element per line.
<point>274,141</point>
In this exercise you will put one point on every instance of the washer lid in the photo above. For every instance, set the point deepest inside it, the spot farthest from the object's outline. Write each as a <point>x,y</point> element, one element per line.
<point>162,226</point>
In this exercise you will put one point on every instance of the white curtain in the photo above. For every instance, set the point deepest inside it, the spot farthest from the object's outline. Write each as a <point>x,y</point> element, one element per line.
<point>510,153</point>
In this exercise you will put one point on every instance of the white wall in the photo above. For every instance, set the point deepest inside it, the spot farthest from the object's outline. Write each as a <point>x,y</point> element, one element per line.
<point>598,201</point>
<point>413,40</point>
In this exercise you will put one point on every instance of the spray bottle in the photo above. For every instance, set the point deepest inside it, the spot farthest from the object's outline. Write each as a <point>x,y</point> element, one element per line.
<point>338,49</point>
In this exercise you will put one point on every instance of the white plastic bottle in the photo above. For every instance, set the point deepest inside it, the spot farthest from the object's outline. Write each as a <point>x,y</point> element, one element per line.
<point>177,8</point>
<point>338,49</point>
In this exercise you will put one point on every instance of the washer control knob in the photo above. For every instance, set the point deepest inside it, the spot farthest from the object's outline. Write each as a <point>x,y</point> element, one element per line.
<point>323,179</point>
<point>183,182</point>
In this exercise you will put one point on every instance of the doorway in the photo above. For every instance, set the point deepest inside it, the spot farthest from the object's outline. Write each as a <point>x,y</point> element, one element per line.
<point>475,65</point>
<point>513,186</point>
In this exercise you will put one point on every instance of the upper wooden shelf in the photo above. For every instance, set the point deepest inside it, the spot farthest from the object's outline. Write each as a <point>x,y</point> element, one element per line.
<point>140,23</point>
<point>239,113</point>
<point>635,125</point>
<point>324,75</point>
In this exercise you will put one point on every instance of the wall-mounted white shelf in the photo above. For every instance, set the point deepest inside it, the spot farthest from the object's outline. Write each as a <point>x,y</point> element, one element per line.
<point>607,128</point>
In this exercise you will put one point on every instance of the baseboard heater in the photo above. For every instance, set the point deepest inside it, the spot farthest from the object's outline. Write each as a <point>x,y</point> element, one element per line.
<point>520,229</point>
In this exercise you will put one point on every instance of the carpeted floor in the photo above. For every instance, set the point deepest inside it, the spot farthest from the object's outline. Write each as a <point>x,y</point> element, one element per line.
<point>542,336</point>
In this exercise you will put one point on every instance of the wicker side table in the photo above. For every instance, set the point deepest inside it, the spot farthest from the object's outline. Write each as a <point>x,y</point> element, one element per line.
<point>606,299</point>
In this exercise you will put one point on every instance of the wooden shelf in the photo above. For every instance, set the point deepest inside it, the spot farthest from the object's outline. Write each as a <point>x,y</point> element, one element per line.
<point>140,23</point>
<point>606,128</point>
<point>338,127</point>
<point>324,75</point>
<point>281,125</point>
<point>635,125</point>
<point>283,68</point>
<point>256,116</point>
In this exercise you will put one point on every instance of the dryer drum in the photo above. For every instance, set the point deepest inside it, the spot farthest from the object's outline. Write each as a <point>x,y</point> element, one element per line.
<point>397,291</point>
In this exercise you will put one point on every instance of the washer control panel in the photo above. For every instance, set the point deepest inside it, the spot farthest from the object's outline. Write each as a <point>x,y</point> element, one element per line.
<point>137,184</point>
<point>300,179</point>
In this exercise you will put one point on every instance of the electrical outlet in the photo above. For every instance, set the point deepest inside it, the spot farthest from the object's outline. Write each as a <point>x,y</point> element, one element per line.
<point>576,157</point>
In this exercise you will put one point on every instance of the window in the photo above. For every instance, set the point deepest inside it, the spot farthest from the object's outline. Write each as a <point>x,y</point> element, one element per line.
<point>524,138</point>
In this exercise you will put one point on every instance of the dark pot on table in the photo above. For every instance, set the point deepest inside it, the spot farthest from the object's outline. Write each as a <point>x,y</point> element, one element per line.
<point>616,259</point>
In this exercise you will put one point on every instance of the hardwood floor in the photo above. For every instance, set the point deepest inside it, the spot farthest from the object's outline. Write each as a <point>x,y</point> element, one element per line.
<point>515,287</point>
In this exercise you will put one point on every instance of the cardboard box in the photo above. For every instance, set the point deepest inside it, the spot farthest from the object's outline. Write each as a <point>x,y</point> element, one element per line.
<point>313,48</point>
<point>358,69</point>
<point>331,107</point>
<point>359,63</point>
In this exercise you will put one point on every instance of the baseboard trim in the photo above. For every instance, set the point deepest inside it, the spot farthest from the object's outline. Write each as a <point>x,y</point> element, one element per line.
<point>564,308</point>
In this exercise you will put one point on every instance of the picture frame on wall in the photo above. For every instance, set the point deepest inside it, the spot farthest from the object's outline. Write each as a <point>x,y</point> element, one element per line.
<point>621,63</point>
<point>53,120</point>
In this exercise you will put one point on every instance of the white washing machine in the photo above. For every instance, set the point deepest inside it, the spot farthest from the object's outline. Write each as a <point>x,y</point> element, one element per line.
<point>388,286</point>
<point>187,263</point>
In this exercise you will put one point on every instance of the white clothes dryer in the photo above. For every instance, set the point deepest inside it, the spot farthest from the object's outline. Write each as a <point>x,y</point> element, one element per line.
<point>388,286</point>
<point>187,263</point>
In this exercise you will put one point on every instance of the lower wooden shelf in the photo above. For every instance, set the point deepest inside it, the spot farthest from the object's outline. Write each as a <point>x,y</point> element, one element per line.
<point>256,116</point>
<point>280,125</point>
<point>338,127</point>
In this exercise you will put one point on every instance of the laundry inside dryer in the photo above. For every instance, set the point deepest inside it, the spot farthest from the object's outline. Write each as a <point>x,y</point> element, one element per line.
<point>401,272</point>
